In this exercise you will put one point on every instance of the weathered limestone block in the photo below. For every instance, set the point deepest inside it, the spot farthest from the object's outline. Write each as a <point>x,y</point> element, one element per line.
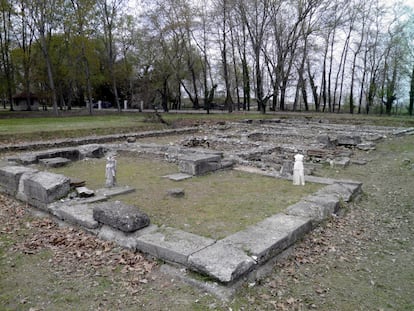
<point>348,140</point>
<point>42,188</point>
<point>121,216</point>
<point>68,153</point>
<point>343,191</point>
<point>326,141</point>
<point>342,162</point>
<point>199,164</point>
<point>366,146</point>
<point>92,151</point>
<point>54,162</point>
<point>25,159</point>
<point>84,192</point>
<point>318,208</point>
<point>10,177</point>
<point>270,236</point>
<point>125,239</point>
<point>222,262</point>
<point>172,245</point>
<point>79,214</point>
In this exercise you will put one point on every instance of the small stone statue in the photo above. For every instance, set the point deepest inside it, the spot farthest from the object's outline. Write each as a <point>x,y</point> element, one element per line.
<point>298,171</point>
<point>110,171</point>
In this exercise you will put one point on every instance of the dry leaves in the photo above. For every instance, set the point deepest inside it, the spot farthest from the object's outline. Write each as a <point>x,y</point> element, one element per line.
<point>71,247</point>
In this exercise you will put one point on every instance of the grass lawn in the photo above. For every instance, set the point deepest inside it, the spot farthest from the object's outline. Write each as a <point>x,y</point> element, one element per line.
<point>30,126</point>
<point>215,205</point>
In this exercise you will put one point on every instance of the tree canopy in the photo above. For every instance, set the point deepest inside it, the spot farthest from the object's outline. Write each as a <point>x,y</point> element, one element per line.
<point>333,56</point>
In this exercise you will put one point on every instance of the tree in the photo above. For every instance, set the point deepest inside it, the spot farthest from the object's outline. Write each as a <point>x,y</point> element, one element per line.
<point>81,14</point>
<point>411,105</point>
<point>255,15</point>
<point>6,67</point>
<point>109,12</point>
<point>46,16</point>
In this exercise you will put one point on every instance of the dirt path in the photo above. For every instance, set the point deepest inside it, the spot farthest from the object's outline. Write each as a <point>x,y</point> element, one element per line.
<point>362,260</point>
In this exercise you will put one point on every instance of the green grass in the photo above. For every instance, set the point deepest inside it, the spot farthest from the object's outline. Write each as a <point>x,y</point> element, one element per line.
<point>29,126</point>
<point>215,205</point>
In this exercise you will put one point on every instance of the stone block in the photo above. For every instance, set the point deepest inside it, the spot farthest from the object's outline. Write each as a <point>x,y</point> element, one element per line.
<point>68,153</point>
<point>79,214</point>
<point>315,207</point>
<point>10,178</point>
<point>54,162</point>
<point>326,141</point>
<point>342,190</point>
<point>127,240</point>
<point>198,164</point>
<point>366,146</point>
<point>114,191</point>
<point>270,236</point>
<point>91,151</point>
<point>84,192</point>
<point>26,159</point>
<point>348,140</point>
<point>342,162</point>
<point>222,262</point>
<point>172,245</point>
<point>42,188</point>
<point>178,176</point>
<point>121,216</point>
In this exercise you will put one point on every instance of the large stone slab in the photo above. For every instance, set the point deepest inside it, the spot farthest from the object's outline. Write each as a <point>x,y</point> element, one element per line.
<point>172,245</point>
<point>345,191</point>
<point>42,188</point>
<point>124,239</point>
<point>92,151</point>
<point>178,176</point>
<point>315,207</point>
<point>222,262</point>
<point>54,162</point>
<point>198,164</point>
<point>114,191</point>
<point>10,178</point>
<point>121,216</point>
<point>270,236</point>
<point>67,153</point>
<point>79,214</point>
<point>25,159</point>
<point>348,140</point>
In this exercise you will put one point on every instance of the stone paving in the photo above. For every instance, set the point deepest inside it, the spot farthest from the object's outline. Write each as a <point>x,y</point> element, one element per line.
<point>256,147</point>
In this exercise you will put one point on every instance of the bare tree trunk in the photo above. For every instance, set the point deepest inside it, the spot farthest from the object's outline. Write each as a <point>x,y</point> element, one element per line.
<point>5,52</point>
<point>411,105</point>
<point>314,88</point>
<point>330,106</point>
<point>45,51</point>
<point>228,101</point>
<point>323,82</point>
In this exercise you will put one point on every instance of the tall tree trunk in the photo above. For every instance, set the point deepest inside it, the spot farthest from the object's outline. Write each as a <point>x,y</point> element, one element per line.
<point>331,57</point>
<point>314,88</point>
<point>228,100</point>
<point>411,105</point>
<point>5,52</point>
<point>49,67</point>
<point>323,82</point>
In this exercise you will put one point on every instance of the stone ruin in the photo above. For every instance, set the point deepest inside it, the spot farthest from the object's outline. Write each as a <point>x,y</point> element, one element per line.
<point>265,147</point>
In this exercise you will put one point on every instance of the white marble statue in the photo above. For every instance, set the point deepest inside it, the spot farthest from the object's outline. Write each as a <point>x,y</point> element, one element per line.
<point>298,171</point>
<point>110,171</point>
